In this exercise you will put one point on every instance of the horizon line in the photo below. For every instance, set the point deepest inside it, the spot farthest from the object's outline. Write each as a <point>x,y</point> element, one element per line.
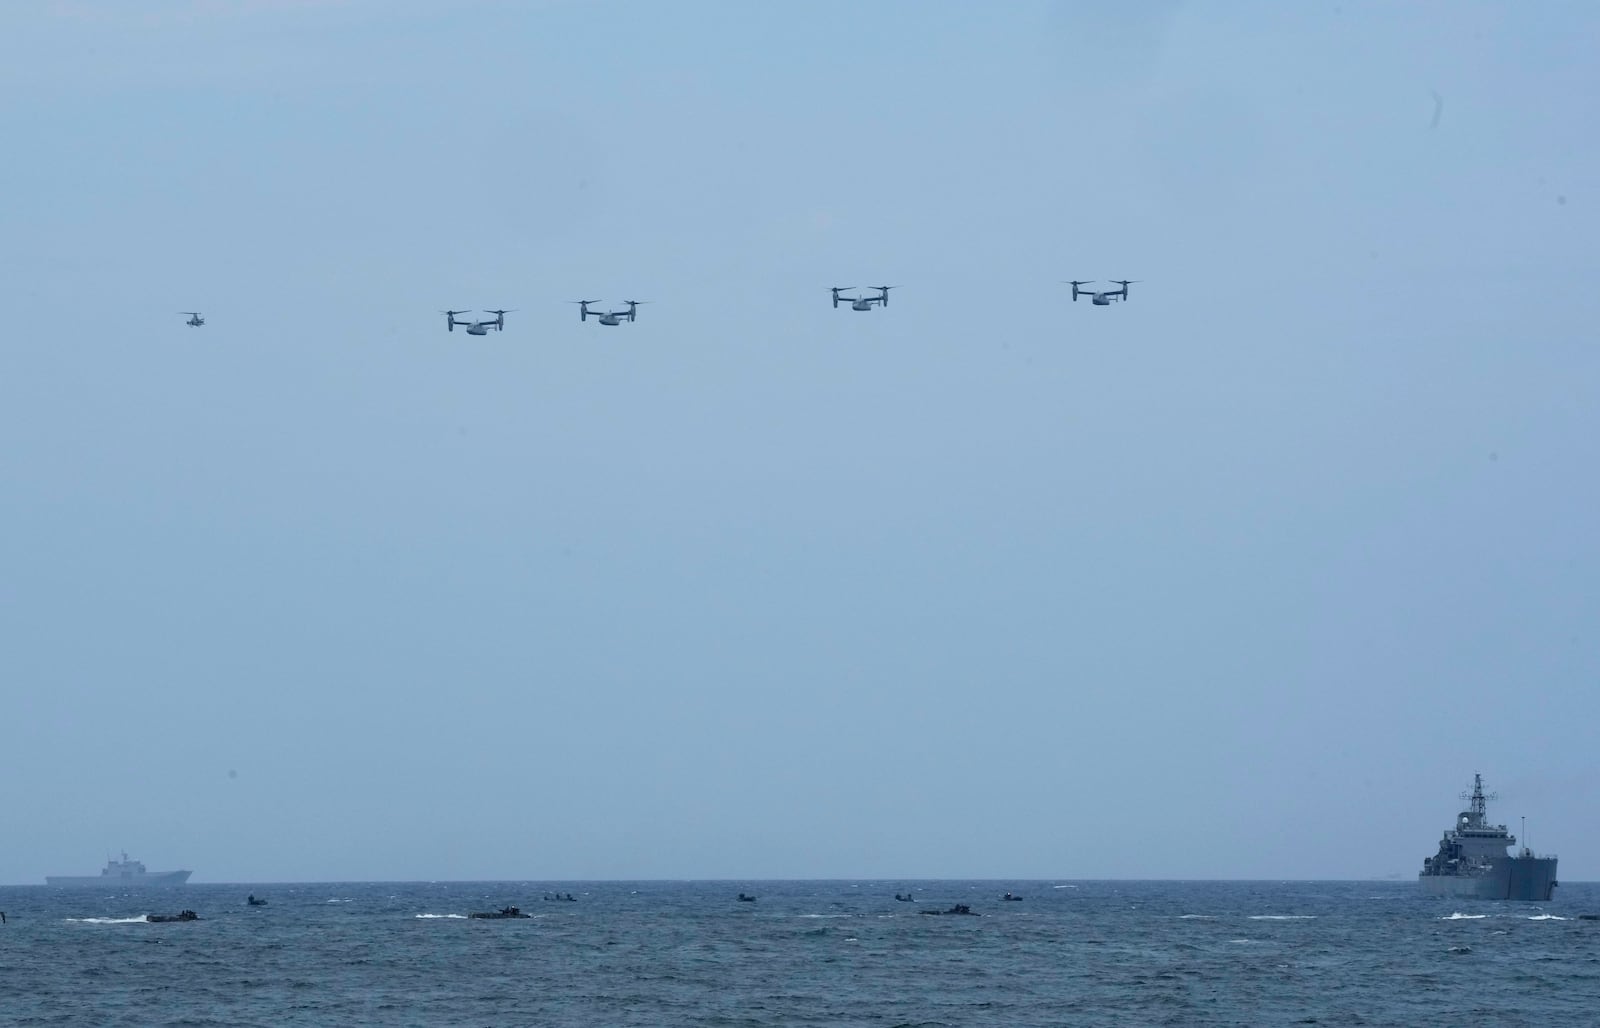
<point>1371,880</point>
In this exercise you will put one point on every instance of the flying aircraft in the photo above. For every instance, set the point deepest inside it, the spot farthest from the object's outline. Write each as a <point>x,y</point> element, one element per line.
<point>195,320</point>
<point>1100,297</point>
<point>612,318</point>
<point>478,328</point>
<point>862,303</point>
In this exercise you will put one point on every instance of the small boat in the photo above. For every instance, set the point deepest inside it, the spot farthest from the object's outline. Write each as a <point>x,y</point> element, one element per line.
<point>182,915</point>
<point>251,900</point>
<point>1013,897</point>
<point>746,899</point>
<point>498,915</point>
<point>959,908</point>
<point>905,897</point>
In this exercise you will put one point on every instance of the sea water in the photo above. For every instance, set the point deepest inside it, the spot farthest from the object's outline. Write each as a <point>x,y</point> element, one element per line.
<point>803,953</point>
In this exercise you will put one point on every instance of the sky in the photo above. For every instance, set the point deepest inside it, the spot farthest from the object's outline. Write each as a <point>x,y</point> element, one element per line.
<point>1243,578</point>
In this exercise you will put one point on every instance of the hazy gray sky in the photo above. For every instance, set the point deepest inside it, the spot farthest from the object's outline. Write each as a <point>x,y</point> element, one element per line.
<point>1243,578</point>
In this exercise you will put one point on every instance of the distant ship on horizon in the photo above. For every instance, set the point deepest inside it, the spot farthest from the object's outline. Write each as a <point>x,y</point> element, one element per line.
<point>122,872</point>
<point>1472,862</point>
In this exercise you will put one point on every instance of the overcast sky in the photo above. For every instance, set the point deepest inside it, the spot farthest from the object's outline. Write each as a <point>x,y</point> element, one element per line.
<point>1243,578</point>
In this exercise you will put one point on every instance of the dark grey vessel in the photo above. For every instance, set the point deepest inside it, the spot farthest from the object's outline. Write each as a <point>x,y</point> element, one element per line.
<point>1472,862</point>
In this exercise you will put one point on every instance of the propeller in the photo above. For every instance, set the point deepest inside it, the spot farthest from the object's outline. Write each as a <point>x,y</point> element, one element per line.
<point>1123,282</point>
<point>840,289</point>
<point>193,314</point>
<point>635,303</point>
<point>454,313</point>
<point>583,301</point>
<point>1079,282</point>
<point>501,313</point>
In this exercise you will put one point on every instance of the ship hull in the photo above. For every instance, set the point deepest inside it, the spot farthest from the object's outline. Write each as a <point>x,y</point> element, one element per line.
<point>120,881</point>
<point>1510,878</point>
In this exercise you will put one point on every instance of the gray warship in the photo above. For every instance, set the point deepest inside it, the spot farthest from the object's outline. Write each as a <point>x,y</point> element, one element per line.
<point>121,873</point>
<point>1472,862</point>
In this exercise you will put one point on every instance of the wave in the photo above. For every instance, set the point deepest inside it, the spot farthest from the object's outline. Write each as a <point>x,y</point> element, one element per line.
<point>825,915</point>
<point>1459,916</point>
<point>460,917</point>
<point>1283,917</point>
<point>1197,917</point>
<point>1548,917</point>
<point>109,920</point>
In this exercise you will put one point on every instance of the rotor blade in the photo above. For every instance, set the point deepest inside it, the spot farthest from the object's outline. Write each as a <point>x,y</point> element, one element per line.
<point>840,289</point>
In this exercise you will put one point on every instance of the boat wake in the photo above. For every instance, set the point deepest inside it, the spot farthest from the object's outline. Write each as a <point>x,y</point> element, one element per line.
<point>109,920</point>
<point>1459,916</point>
<point>1283,917</point>
<point>436,917</point>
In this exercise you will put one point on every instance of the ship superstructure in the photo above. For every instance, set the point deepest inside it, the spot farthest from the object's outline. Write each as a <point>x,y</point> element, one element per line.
<point>122,872</point>
<point>1472,861</point>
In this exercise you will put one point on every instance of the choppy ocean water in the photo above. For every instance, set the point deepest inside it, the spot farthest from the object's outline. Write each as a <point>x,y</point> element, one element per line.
<point>804,953</point>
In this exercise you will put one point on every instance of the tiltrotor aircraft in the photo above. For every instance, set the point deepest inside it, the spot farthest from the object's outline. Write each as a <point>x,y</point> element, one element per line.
<point>1098,297</point>
<point>478,328</point>
<point>608,317</point>
<point>862,303</point>
<point>195,320</point>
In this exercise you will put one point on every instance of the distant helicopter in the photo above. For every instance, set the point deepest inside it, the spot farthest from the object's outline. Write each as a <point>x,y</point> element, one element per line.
<point>195,320</point>
<point>862,303</point>
<point>1101,298</point>
<point>611,318</point>
<point>478,328</point>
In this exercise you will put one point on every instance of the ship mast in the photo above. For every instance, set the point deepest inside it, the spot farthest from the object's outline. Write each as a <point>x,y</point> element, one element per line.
<point>1477,816</point>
